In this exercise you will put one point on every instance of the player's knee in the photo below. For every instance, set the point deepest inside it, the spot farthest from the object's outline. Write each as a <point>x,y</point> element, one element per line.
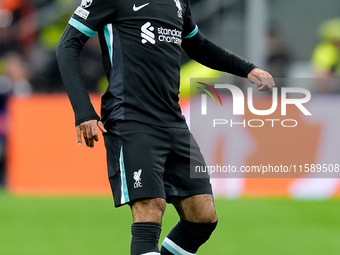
<point>199,209</point>
<point>208,217</point>
<point>149,210</point>
<point>204,216</point>
<point>212,220</point>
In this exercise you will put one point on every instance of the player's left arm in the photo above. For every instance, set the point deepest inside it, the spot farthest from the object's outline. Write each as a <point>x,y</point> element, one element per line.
<point>199,48</point>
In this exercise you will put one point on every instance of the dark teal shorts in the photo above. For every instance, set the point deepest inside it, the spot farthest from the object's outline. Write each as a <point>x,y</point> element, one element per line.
<point>146,161</point>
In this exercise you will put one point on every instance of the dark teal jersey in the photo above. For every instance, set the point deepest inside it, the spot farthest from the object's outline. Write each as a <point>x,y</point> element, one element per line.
<point>141,45</point>
<point>141,42</point>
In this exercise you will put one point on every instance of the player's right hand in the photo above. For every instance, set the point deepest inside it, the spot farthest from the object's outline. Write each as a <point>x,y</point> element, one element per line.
<point>89,131</point>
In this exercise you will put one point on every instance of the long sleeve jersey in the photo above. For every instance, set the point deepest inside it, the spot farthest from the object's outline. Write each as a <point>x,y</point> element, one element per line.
<point>141,43</point>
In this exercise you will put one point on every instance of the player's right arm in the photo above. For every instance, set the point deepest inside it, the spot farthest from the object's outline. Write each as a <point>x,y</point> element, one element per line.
<point>68,52</point>
<point>88,18</point>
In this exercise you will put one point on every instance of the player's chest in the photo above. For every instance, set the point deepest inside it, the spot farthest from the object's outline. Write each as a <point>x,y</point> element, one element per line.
<point>167,11</point>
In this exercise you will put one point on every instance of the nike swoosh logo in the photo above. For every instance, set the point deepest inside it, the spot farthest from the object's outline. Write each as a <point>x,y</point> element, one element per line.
<point>137,8</point>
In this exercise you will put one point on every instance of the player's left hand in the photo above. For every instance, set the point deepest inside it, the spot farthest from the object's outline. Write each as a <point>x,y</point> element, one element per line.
<point>262,79</point>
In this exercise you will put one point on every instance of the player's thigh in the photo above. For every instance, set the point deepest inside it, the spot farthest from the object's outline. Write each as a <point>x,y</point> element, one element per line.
<point>180,167</point>
<point>179,175</point>
<point>135,156</point>
<point>198,208</point>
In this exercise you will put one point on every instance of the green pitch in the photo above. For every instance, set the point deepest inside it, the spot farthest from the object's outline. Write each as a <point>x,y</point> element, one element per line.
<point>88,226</point>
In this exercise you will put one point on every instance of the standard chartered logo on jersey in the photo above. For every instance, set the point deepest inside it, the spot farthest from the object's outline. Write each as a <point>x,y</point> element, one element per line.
<point>166,35</point>
<point>169,35</point>
<point>147,33</point>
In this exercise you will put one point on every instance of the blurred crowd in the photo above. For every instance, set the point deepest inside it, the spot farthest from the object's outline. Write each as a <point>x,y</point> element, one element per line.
<point>29,33</point>
<point>326,57</point>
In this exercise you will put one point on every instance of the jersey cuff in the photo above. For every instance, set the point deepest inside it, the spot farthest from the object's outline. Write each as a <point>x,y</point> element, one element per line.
<point>82,28</point>
<point>192,34</point>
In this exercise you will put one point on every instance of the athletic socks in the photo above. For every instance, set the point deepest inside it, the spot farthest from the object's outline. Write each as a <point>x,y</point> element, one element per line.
<point>186,237</point>
<point>145,238</point>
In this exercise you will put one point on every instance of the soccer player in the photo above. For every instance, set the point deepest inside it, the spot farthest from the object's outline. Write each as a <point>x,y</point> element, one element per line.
<point>149,147</point>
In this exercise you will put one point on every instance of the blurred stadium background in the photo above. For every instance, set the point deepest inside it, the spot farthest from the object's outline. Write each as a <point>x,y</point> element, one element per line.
<point>54,197</point>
